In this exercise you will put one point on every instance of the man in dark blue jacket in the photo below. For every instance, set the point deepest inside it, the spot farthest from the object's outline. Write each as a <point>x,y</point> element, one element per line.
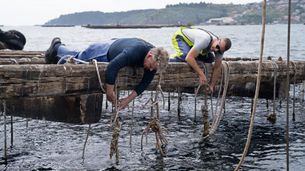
<point>119,53</point>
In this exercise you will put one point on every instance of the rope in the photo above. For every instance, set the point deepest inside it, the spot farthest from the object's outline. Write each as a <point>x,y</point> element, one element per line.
<point>258,81</point>
<point>84,147</point>
<point>14,60</point>
<point>131,126</point>
<point>211,96</point>
<point>205,114</point>
<point>294,84</point>
<point>154,123</point>
<point>114,149</point>
<point>71,59</point>
<point>161,141</point>
<point>116,129</point>
<point>5,139</point>
<point>98,75</point>
<point>272,116</point>
<point>303,91</point>
<point>218,113</point>
<point>288,86</point>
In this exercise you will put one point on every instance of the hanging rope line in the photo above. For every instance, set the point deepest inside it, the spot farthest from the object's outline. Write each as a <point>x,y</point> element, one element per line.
<point>98,75</point>
<point>154,124</point>
<point>131,125</point>
<point>114,148</point>
<point>84,147</point>
<point>294,85</point>
<point>5,140</point>
<point>197,91</point>
<point>258,81</point>
<point>272,116</point>
<point>218,111</point>
<point>205,113</point>
<point>116,129</point>
<point>288,86</point>
<point>161,141</point>
<point>102,88</point>
<point>219,108</point>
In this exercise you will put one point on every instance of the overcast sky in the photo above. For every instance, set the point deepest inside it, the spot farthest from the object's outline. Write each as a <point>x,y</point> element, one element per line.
<point>31,12</point>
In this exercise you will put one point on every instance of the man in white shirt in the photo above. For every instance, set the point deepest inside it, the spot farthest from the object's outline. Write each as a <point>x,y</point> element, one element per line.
<point>198,44</point>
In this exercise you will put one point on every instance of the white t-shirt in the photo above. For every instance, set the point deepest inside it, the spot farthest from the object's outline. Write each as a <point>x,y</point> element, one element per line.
<point>200,38</point>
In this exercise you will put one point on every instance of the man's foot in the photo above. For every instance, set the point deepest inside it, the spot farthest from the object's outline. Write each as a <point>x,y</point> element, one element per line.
<point>51,53</point>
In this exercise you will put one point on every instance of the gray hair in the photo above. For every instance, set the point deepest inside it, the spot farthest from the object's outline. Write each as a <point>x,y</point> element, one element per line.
<point>160,55</point>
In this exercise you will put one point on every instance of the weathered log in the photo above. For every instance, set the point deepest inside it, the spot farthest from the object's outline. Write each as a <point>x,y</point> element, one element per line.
<point>22,60</point>
<point>21,57</point>
<point>61,80</point>
<point>20,52</point>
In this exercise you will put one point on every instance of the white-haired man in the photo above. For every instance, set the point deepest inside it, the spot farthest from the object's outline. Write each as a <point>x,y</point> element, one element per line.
<point>119,53</point>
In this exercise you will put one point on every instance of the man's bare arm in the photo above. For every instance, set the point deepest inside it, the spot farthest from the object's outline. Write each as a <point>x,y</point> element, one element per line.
<point>191,60</point>
<point>216,73</point>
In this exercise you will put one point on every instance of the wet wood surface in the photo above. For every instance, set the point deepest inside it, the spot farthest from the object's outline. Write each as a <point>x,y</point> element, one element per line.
<point>53,80</point>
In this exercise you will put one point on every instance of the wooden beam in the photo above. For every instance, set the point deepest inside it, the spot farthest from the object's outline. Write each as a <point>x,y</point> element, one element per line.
<point>68,79</point>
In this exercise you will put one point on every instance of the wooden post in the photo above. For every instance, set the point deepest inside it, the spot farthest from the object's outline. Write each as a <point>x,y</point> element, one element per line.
<point>205,116</point>
<point>252,100</point>
<point>102,100</point>
<point>303,91</point>
<point>5,140</point>
<point>195,112</point>
<point>179,103</point>
<point>224,106</point>
<point>293,101</point>
<point>131,125</point>
<point>152,107</point>
<point>169,102</point>
<point>267,103</point>
<point>12,132</point>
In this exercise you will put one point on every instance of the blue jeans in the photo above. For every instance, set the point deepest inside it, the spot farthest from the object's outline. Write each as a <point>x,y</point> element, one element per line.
<point>96,51</point>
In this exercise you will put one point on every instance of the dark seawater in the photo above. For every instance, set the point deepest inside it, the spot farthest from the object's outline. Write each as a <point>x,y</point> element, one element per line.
<point>52,145</point>
<point>47,145</point>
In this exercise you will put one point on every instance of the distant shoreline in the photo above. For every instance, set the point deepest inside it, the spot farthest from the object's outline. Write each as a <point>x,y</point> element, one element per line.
<point>129,26</point>
<point>57,25</point>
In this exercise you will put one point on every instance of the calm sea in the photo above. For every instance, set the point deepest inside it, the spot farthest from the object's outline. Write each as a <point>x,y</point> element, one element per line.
<point>50,145</point>
<point>246,39</point>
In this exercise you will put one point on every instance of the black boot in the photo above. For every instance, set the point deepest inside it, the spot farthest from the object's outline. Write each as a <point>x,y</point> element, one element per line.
<point>51,53</point>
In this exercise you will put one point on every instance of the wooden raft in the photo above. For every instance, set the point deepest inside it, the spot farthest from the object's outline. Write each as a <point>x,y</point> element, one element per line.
<point>71,93</point>
<point>59,80</point>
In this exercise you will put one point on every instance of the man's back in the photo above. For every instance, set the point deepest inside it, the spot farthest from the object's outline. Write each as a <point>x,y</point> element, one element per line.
<point>131,50</point>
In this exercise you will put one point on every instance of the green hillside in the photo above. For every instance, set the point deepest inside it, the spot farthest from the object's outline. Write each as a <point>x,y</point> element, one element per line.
<point>193,13</point>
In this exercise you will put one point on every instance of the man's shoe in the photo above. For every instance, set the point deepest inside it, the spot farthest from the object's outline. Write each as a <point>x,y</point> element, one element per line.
<point>51,53</point>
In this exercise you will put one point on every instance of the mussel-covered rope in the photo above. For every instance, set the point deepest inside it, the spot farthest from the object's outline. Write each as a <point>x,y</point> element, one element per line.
<point>116,129</point>
<point>154,124</point>
<point>294,84</point>
<point>272,116</point>
<point>218,113</point>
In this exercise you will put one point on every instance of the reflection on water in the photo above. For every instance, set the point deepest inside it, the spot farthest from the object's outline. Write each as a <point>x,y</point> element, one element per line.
<point>51,145</point>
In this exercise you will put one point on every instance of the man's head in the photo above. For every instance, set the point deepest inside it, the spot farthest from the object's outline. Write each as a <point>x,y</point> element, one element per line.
<point>221,45</point>
<point>156,58</point>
